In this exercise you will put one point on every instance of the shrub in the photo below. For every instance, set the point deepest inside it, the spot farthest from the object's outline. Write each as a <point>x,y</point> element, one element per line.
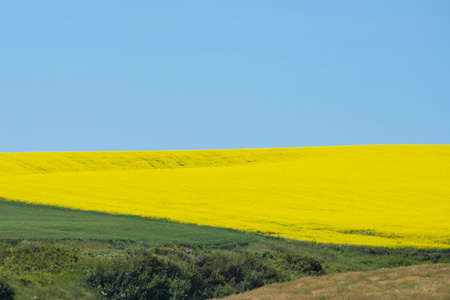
<point>303,263</point>
<point>225,273</point>
<point>6,292</point>
<point>138,275</point>
<point>161,273</point>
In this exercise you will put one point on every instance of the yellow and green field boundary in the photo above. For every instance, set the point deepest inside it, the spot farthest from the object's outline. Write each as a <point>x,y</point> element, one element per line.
<point>384,195</point>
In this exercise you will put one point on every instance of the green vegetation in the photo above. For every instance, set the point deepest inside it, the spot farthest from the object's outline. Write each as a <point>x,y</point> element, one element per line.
<point>171,273</point>
<point>346,258</point>
<point>56,253</point>
<point>119,270</point>
<point>28,221</point>
<point>6,292</point>
<point>85,269</point>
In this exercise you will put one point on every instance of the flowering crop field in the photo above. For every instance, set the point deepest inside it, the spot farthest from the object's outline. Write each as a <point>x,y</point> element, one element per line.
<point>384,195</point>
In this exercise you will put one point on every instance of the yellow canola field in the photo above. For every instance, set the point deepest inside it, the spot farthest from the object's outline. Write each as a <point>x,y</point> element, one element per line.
<point>384,195</point>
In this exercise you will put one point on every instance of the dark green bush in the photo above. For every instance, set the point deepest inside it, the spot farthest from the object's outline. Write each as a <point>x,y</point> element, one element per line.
<point>172,274</point>
<point>302,263</point>
<point>139,275</point>
<point>6,292</point>
<point>228,272</point>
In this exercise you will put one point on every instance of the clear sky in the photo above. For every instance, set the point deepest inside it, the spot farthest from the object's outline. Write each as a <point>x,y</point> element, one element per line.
<point>157,75</point>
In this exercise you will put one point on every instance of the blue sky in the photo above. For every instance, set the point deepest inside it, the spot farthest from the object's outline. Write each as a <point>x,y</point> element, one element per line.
<point>156,75</point>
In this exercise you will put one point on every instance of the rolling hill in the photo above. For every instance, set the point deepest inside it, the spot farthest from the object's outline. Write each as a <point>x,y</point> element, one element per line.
<point>384,195</point>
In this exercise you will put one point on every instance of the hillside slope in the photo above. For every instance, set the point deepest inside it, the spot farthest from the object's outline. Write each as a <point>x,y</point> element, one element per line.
<point>414,282</point>
<point>56,162</point>
<point>391,195</point>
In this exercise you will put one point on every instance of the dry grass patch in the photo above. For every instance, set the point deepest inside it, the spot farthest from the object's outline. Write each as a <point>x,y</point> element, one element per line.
<point>413,282</point>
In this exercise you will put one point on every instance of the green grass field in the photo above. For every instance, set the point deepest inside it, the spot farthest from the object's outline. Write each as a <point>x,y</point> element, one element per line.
<point>27,221</point>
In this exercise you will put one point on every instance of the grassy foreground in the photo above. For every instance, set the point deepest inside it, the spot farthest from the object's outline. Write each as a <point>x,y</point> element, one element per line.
<point>391,195</point>
<point>85,269</point>
<point>57,253</point>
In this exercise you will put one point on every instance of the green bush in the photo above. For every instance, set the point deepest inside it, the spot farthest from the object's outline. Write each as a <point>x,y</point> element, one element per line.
<point>6,292</point>
<point>228,272</point>
<point>303,263</point>
<point>138,275</point>
<point>162,273</point>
